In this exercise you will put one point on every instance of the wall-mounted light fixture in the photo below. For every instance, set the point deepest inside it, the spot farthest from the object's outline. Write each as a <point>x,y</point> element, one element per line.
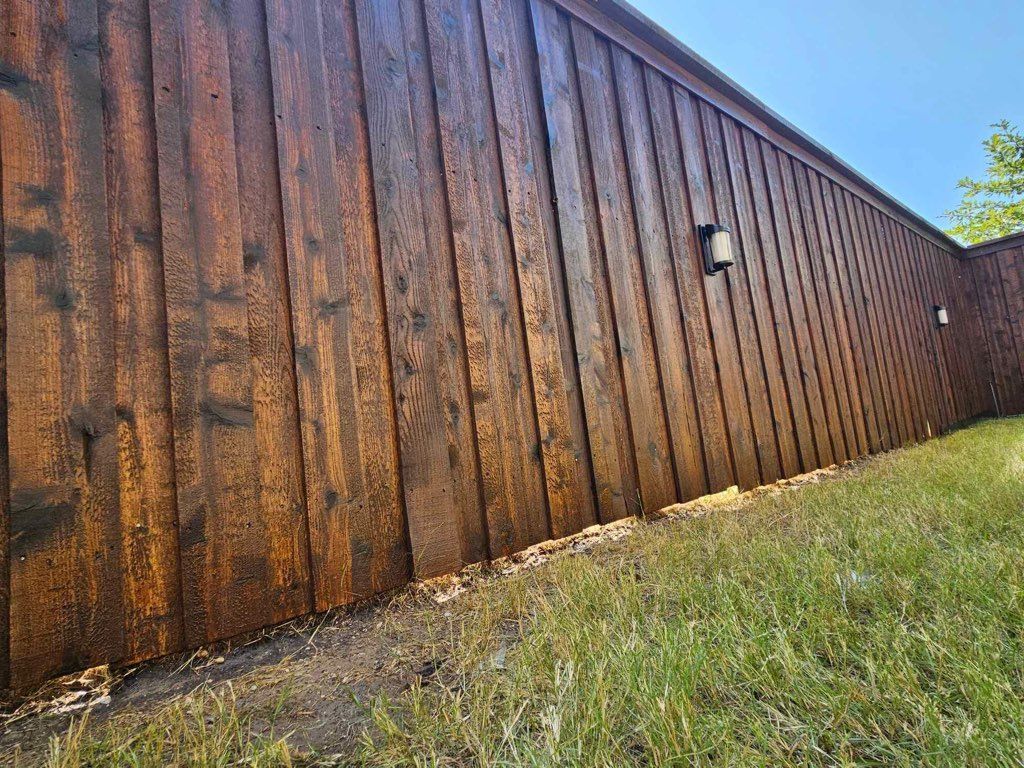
<point>717,247</point>
<point>941,315</point>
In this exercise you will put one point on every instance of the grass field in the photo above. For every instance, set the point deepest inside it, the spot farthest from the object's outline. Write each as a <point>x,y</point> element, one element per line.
<point>875,618</point>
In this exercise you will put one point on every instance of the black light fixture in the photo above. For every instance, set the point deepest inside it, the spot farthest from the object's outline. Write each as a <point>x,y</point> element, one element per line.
<point>717,247</point>
<point>941,315</point>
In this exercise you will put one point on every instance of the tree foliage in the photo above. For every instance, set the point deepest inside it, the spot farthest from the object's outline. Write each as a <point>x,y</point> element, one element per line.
<point>994,206</point>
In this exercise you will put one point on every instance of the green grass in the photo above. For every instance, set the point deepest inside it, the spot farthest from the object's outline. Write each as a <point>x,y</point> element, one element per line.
<point>204,730</point>
<point>874,620</point>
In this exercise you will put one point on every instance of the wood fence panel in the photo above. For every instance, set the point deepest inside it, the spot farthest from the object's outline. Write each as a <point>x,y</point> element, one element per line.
<point>689,271</point>
<point>65,550</point>
<point>659,275</point>
<point>746,470</point>
<point>586,277</point>
<point>644,403</point>
<point>299,300</point>
<point>757,271</point>
<point>503,403</point>
<point>528,198</point>
<point>148,505</point>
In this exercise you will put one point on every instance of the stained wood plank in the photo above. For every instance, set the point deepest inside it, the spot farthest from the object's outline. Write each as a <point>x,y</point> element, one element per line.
<point>807,252</point>
<point>617,221</point>
<point>380,551</point>
<point>737,280</point>
<point>357,534</point>
<point>226,583</point>
<point>1009,387</point>
<point>685,255</point>
<point>770,208</point>
<point>766,319</point>
<point>832,253</point>
<point>567,473</point>
<point>611,446</point>
<point>5,486</point>
<point>918,305</point>
<point>746,469</point>
<point>824,413</point>
<point>503,406</point>
<point>282,501</point>
<point>65,539</point>
<point>894,360</point>
<point>793,247</point>
<point>454,371</point>
<point>890,435</point>
<point>659,275</point>
<point>149,522</point>
<point>1011,275</point>
<point>921,378</point>
<point>858,347</point>
<point>820,251</point>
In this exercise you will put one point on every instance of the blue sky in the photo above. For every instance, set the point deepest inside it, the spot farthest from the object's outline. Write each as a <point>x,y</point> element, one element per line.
<point>903,90</point>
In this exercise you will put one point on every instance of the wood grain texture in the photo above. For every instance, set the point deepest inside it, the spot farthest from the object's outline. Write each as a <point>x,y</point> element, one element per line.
<point>685,254</point>
<point>443,517</point>
<point>586,280</point>
<point>282,499</point>
<point>659,276</point>
<point>503,405</point>
<point>5,486</point>
<point>527,196</point>
<point>225,576</point>
<point>149,521</point>
<point>746,470</point>
<point>758,269</point>
<point>66,582</point>
<point>617,220</point>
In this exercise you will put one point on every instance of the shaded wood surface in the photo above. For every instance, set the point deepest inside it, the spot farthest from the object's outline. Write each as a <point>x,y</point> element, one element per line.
<point>302,300</point>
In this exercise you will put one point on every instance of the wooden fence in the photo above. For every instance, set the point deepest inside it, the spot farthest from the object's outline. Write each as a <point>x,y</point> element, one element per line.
<point>998,273</point>
<point>302,300</point>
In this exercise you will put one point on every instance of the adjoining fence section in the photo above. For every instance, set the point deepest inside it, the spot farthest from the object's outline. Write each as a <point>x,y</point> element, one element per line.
<point>997,269</point>
<point>304,299</point>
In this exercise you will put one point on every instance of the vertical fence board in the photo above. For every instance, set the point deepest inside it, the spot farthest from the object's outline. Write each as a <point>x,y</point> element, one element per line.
<point>792,250</point>
<point>65,565</point>
<point>149,525</point>
<point>820,252</point>
<point>766,318</point>
<point>716,294</point>
<point>224,563</point>
<point>857,343</point>
<point>807,251</point>
<point>833,245</point>
<point>357,533</point>
<point>282,502</point>
<point>586,280</point>
<point>737,280</point>
<point>644,402</point>
<point>769,206</point>
<point>503,407</point>
<point>562,442</point>
<point>685,254</point>
<point>5,489</point>
<point>659,274</point>
<point>412,288</point>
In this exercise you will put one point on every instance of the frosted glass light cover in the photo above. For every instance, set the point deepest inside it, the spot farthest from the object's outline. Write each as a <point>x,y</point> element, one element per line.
<point>721,249</point>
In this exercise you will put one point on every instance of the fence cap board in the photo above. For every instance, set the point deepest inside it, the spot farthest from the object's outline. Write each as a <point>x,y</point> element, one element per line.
<point>632,20</point>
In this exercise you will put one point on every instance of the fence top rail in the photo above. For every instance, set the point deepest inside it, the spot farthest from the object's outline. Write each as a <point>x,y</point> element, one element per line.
<point>993,246</point>
<point>624,15</point>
